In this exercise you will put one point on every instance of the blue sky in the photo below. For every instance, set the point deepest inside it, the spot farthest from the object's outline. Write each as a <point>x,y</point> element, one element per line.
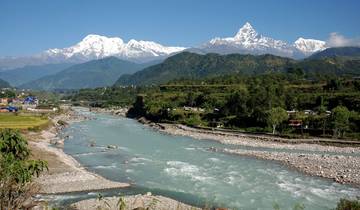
<point>31,26</point>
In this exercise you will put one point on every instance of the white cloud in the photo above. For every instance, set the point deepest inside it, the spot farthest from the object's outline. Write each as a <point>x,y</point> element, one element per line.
<point>338,40</point>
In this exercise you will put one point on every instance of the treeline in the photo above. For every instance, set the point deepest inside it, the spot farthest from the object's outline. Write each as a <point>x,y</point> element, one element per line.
<point>325,106</point>
<point>105,97</point>
<point>276,102</point>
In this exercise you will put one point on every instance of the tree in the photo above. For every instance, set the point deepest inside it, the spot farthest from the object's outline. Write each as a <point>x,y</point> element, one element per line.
<point>236,104</point>
<point>190,99</point>
<point>11,142</point>
<point>340,120</point>
<point>276,116</point>
<point>16,171</point>
<point>138,109</point>
<point>334,84</point>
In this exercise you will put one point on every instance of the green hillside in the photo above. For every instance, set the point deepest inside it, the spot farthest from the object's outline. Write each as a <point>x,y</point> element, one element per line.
<point>96,73</point>
<point>19,76</point>
<point>349,52</point>
<point>194,66</point>
<point>4,84</point>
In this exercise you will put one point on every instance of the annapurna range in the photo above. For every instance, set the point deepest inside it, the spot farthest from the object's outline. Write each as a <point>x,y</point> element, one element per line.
<point>246,41</point>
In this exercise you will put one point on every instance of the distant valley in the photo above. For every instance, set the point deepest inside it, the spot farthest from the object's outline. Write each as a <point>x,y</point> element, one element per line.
<point>95,73</point>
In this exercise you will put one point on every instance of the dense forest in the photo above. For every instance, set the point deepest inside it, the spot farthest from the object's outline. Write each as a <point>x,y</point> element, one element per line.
<point>283,103</point>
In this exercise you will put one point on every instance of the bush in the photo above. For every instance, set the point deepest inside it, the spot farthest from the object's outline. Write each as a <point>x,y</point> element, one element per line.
<point>16,170</point>
<point>345,204</point>
<point>193,120</point>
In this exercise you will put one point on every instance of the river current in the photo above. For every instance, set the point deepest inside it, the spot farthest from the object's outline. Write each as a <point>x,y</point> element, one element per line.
<point>183,168</point>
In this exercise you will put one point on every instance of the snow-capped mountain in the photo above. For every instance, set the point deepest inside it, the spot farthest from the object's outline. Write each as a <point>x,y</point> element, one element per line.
<point>245,41</point>
<point>95,47</point>
<point>309,46</point>
<point>248,41</point>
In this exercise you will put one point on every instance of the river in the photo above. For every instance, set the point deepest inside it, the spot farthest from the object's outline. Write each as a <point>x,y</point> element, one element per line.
<point>183,168</point>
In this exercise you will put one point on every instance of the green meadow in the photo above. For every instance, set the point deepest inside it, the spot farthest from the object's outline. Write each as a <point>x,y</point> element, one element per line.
<point>22,121</point>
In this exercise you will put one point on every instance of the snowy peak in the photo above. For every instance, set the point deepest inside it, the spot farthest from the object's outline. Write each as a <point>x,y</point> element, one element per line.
<point>95,46</point>
<point>246,32</point>
<point>248,41</point>
<point>309,46</point>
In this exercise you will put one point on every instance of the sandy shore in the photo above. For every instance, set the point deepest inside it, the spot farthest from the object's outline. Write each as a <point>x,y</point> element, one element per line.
<point>65,173</point>
<point>133,202</point>
<point>342,165</point>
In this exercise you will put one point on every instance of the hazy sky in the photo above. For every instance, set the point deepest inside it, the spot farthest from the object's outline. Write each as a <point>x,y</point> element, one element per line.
<point>31,26</point>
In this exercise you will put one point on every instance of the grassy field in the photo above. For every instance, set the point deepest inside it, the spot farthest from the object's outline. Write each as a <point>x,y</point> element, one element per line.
<point>22,121</point>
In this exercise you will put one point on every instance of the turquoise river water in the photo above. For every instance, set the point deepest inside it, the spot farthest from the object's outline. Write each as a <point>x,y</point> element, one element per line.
<point>183,168</point>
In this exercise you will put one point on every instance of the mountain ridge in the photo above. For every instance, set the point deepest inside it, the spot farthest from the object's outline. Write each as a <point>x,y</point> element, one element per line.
<point>94,47</point>
<point>248,41</point>
<point>91,74</point>
<point>196,66</point>
<point>187,65</point>
<point>348,52</point>
<point>20,76</point>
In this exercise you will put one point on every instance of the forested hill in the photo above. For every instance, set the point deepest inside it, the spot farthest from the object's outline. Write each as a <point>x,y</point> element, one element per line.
<point>4,84</point>
<point>95,73</point>
<point>348,52</point>
<point>188,65</point>
<point>196,66</point>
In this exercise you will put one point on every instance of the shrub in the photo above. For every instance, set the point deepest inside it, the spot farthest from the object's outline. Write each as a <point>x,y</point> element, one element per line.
<point>345,204</point>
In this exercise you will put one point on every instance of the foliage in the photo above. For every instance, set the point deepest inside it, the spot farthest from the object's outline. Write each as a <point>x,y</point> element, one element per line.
<point>16,171</point>
<point>345,204</point>
<point>7,93</point>
<point>276,116</point>
<point>340,120</point>
<point>11,142</point>
<point>239,101</point>
<point>105,97</point>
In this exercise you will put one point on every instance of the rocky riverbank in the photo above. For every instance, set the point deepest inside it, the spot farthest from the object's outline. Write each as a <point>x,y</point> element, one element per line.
<point>139,202</point>
<point>113,111</point>
<point>65,173</point>
<point>342,164</point>
<point>342,169</point>
<point>250,140</point>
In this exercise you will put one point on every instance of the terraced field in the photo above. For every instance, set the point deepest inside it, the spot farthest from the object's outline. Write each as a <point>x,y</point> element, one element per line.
<point>22,121</point>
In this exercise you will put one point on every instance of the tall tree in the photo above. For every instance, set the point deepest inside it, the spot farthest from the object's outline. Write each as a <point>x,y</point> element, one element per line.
<point>340,120</point>
<point>276,116</point>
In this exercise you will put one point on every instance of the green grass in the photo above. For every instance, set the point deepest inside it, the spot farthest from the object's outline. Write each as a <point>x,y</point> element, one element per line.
<point>22,121</point>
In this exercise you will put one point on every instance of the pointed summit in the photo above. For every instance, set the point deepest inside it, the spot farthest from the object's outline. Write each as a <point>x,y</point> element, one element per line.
<point>247,25</point>
<point>246,32</point>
